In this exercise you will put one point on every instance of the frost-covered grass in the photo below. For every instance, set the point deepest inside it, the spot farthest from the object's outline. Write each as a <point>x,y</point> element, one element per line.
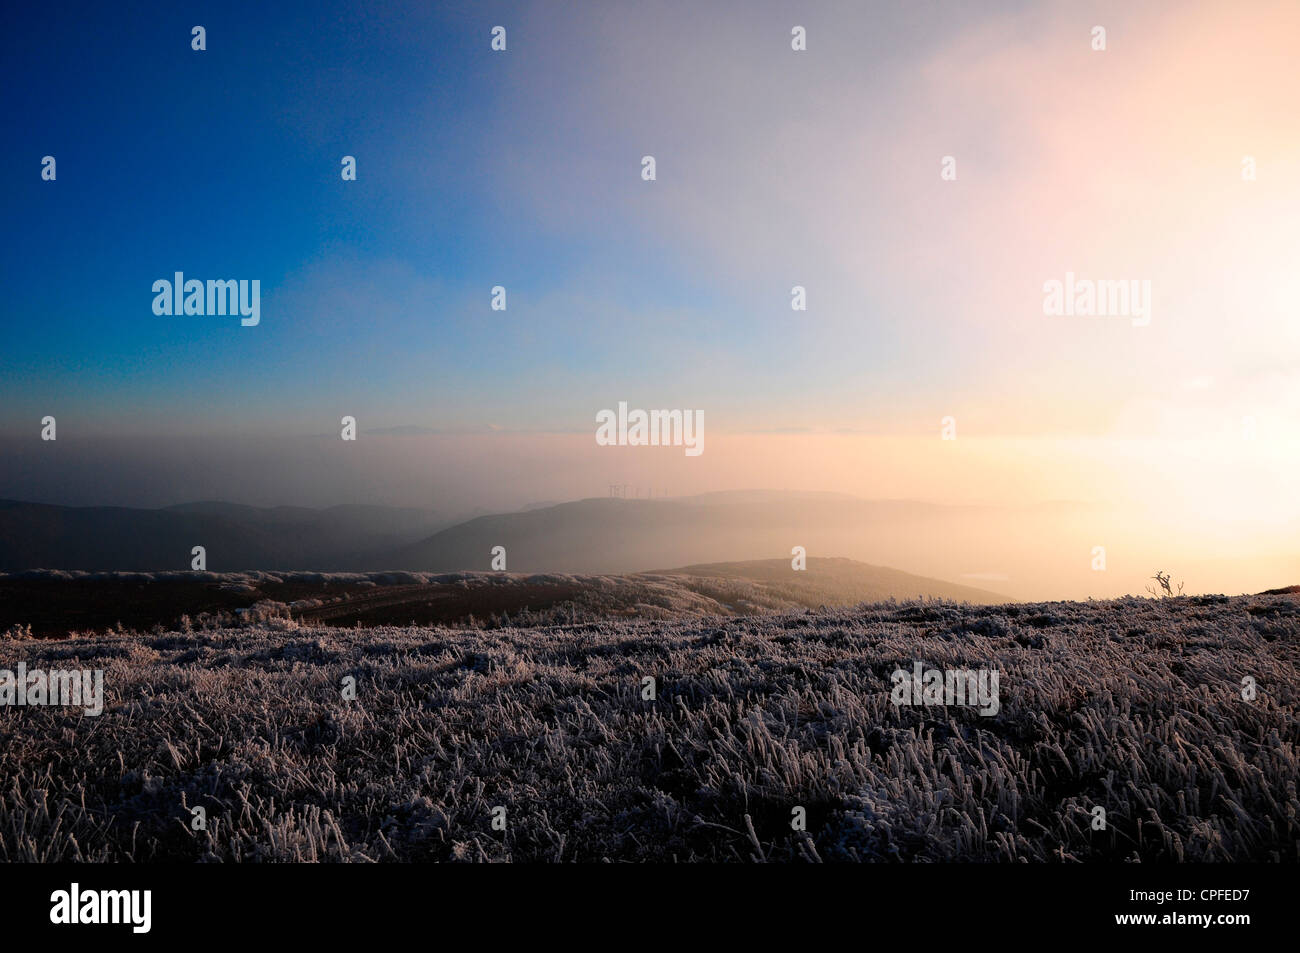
<point>1133,705</point>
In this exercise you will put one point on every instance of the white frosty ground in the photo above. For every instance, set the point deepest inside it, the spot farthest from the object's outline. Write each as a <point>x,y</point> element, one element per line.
<point>1133,705</point>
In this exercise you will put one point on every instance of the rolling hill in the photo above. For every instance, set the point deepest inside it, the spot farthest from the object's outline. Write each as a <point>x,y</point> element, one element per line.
<point>54,603</point>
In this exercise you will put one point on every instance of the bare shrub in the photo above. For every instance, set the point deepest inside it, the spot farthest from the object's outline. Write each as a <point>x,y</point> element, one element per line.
<point>1166,590</point>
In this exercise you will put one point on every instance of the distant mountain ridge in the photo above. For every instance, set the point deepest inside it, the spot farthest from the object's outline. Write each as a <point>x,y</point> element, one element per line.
<point>45,536</point>
<point>629,535</point>
<point>591,536</point>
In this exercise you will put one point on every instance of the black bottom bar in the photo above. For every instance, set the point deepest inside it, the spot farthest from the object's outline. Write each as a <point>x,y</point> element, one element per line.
<point>945,903</point>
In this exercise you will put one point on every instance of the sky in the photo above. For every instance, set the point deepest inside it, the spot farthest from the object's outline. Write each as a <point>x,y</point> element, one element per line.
<point>774,168</point>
